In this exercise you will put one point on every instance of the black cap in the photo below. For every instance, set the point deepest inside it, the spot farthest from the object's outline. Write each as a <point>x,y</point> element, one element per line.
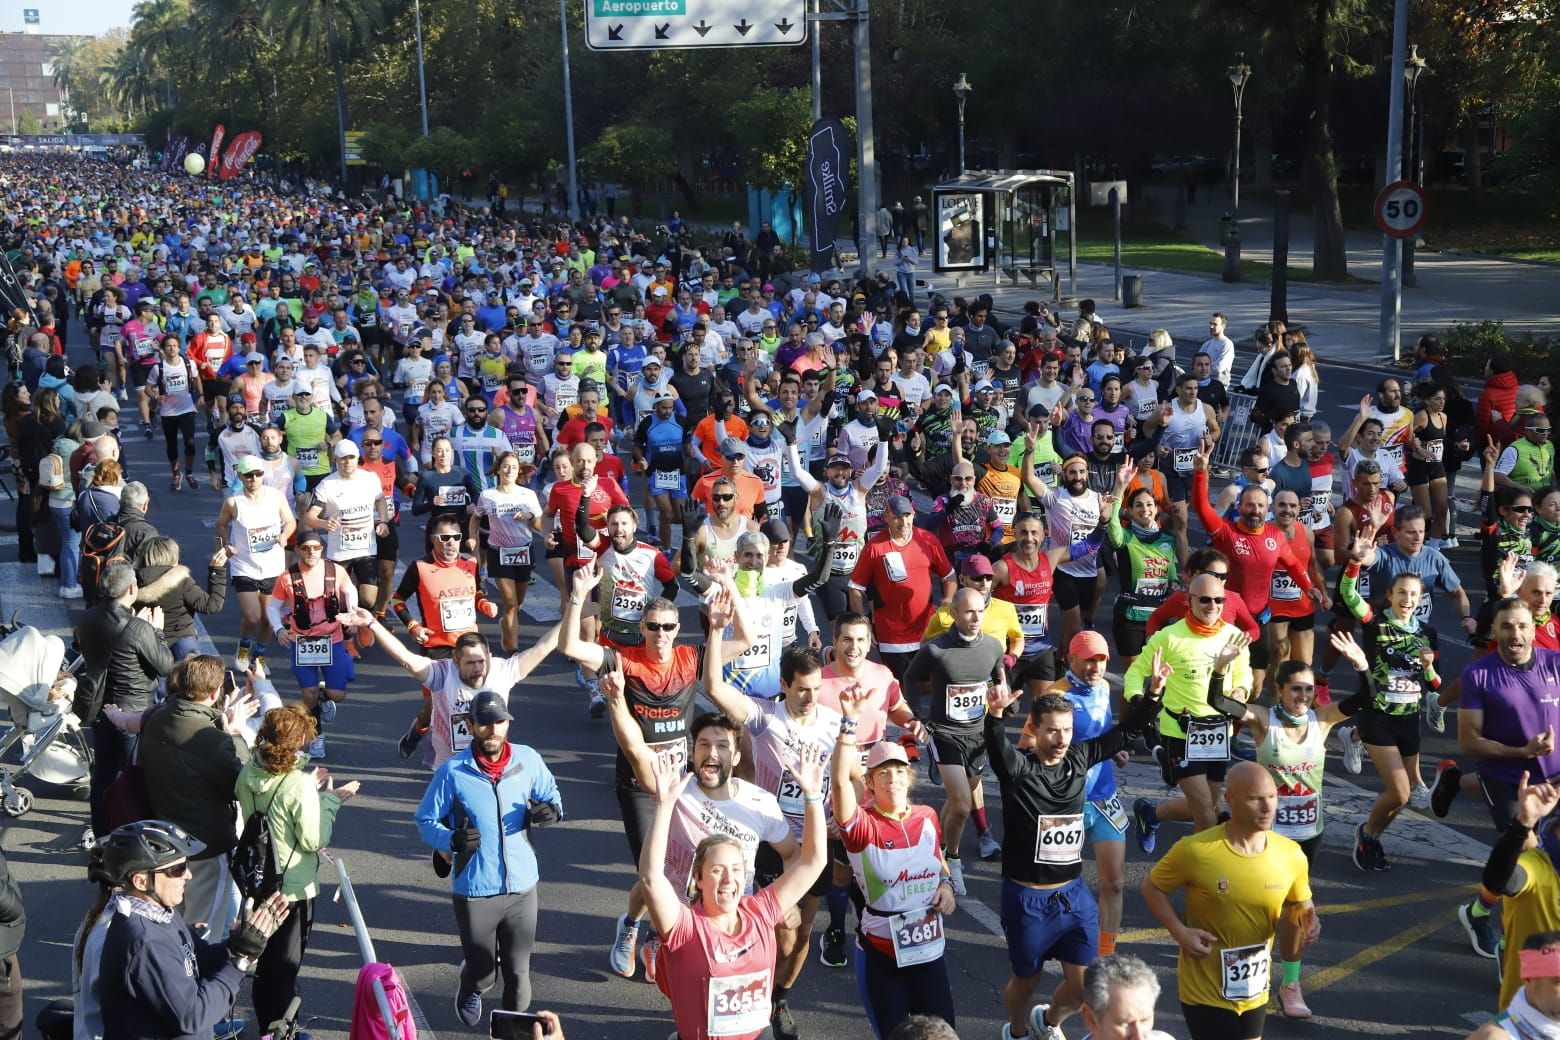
<point>488,707</point>
<point>776,531</point>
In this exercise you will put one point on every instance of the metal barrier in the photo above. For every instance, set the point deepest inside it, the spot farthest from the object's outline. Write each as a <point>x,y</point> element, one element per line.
<point>1238,433</point>
<point>365,945</point>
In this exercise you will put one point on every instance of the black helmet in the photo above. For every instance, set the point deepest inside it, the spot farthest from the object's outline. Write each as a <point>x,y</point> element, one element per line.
<point>147,845</point>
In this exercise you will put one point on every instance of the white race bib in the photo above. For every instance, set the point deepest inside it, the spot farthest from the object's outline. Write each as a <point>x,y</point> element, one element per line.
<point>665,480</point>
<point>1208,740</point>
<point>917,936</point>
<point>894,564</point>
<point>1296,817</point>
<point>525,451</point>
<point>1005,509</point>
<point>308,458</point>
<point>628,605</point>
<point>1403,687</point>
<point>674,752</point>
<point>1112,809</point>
<point>356,538</point>
<point>460,728</point>
<point>1031,619</point>
<point>1059,840</point>
<point>263,539</point>
<point>1284,587</point>
<point>738,1004</point>
<point>789,795</point>
<point>518,556</point>
<point>842,556</point>
<point>759,655</point>
<point>1435,449</point>
<point>458,613</point>
<point>311,651</point>
<point>966,702</point>
<point>1185,459</point>
<point>1245,971</point>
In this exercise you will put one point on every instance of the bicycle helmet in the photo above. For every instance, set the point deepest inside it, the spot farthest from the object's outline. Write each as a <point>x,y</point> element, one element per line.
<point>146,845</point>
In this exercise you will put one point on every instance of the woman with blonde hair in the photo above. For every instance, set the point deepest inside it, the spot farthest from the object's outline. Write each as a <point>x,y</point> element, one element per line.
<point>1306,376</point>
<point>301,810</point>
<point>165,582</point>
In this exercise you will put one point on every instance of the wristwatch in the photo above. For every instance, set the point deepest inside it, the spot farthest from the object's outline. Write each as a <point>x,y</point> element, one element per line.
<point>243,963</point>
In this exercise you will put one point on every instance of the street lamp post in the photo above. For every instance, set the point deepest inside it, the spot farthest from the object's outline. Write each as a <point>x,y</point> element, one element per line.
<point>961,92</point>
<point>1413,67</point>
<point>568,118</point>
<point>422,86</point>
<point>1238,74</point>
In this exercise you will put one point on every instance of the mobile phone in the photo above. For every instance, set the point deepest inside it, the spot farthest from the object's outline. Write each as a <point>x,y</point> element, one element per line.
<point>216,543</point>
<point>229,686</point>
<point>515,1025</point>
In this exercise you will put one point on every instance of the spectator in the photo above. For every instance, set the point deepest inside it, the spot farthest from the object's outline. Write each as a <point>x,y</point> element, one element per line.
<point>166,583</point>
<point>1498,399</point>
<point>301,809</point>
<point>124,656</point>
<point>134,501</point>
<point>192,752</point>
<point>13,926</point>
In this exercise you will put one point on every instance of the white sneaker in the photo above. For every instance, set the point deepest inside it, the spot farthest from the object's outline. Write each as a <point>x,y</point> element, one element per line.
<point>327,711</point>
<point>1419,797</point>
<point>1039,1029</point>
<point>1353,752</point>
<point>317,747</point>
<point>72,592</point>
<point>46,568</point>
<point>956,875</point>
<point>621,959</point>
<point>1435,715</point>
<point>990,847</point>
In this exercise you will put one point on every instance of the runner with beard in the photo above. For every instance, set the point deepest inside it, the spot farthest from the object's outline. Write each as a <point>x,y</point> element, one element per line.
<point>850,496</point>
<point>710,542</point>
<point>966,519</point>
<point>1072,512</point>
<point>656,683</point>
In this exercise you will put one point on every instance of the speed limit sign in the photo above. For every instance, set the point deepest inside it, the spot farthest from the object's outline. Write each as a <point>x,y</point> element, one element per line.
<point>1401,209</point>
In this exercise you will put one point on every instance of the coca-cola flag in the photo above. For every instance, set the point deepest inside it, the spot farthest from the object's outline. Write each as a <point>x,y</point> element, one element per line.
<point>216,142</point>
<point>240,151</point>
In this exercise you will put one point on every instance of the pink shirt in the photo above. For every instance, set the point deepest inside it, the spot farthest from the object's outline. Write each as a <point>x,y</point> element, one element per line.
<point>880,683</point>
<point>720,984</point>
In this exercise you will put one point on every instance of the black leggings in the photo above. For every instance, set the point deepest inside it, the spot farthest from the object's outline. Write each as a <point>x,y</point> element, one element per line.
<point>895,993</point>
<point>1205,1022</point>
<point>497,934</point>
<point>276,973</point>
<point>175,426</point>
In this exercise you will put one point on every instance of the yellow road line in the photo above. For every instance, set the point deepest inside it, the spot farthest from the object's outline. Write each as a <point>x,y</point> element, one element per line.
<point>1375,952</point>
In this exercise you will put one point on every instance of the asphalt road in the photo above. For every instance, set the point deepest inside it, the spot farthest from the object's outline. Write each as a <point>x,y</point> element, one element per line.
<point>1392,959</point>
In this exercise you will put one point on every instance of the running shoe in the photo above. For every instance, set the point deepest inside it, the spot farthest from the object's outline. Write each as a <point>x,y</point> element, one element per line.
<point>956,875</point>
<point>831,948</point>
<point>1419,797</point>
<point>468,1007</point>
<point>579,677</point>
<point>1445,788</point>
<point>990,847</point>
<point>407,745</point>
<point>783,1024</point>
<point>177,482</point>
<point>327,711</point>
<point>649,951</point>
<point>257,662</point>
<point>229,1029</point>
<point>72,592</point>
<point>1039,1028</point>
<point>1293,1001</point>
<point>1435,715</point>
<point>1147,823</point>
<point>192,483</point>
<point>598,705</point>
<point>124,395</point>
<point>146,430</point>
<point>1481,931</point>
<point>1353,751</point>
<point>241,659</point>
<point>1450,543</point>
<point>1368,851</point>
<point>621,959</point>
<point>317,747</point>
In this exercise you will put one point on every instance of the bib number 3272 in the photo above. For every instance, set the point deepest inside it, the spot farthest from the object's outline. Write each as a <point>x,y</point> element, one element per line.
<point>1245,971</point>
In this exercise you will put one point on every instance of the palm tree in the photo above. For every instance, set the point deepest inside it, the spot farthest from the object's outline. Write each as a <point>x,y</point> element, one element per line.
<point>129,81</point>
<point>68,63</point>
<point>160,28</point>
<point>234,34</point>
<point>342,25</point>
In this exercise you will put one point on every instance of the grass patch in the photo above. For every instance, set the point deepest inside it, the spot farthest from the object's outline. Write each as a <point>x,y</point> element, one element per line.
<point>1496,221</point>
<point>1150,245</point>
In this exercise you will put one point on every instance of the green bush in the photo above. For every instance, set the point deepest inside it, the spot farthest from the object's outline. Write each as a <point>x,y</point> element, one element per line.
<point>1469,345</point>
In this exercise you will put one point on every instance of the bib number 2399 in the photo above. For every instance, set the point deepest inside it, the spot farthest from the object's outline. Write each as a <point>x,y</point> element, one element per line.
<point>1208,741</point>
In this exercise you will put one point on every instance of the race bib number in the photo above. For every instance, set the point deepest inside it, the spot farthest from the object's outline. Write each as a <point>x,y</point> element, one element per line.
<point>1395,453</point>
<point>894,564</point>
<point>738,1004</point>
<point>759,655</point>
<point>1435,449</point>
<point>311,651</point>
<point>518,556</point>
<point>448,496</point>
<point>460,729</point>
<point>1403,687</point>
<point>673,752</point>
<point>1185,459</point>
<point>1111,808</point>
<point>1046,471</point>
<point>789,795</point>
<point>308,458</point>
<point>416,389</point>
<point>1118,442</point>
<point>843,556</point>
<point>567,395</point>
<point>357,538</point>
<point>663,481</point>
<point>966,702</point>
<point>917,936</point>
<point>1059,840</point>
<point>145,347</point>
<point>1245,971</point>
<point>1031,619</point>
<point>1005,509</point>
<point>628,605</point>
<point>1284,587</point>
<point>263,539</point>
<point>1296,816</point>
<point>176,381</point>
<point>1208,740</point>
<point>525,451</point>
<point>458,613</point>
<point>1152,588</point>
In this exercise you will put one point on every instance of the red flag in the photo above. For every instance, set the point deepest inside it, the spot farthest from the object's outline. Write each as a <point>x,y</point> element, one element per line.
<point>242,149</point>
<point>216,144</point>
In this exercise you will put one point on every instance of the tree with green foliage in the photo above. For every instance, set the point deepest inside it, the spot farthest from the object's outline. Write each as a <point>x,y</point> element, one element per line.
<point>344,26</point>
<point>633,153</point>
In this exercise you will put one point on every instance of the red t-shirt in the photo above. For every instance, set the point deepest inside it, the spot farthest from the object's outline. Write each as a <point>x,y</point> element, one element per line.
<point>565,499</point>
<point>611,466</point>
<point>1253,555</point>
<point>573,431</point>
<point>720,984</point>
<point>902,577</point>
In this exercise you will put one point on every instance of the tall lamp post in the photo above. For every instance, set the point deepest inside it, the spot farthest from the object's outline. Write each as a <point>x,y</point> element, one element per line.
<point>1414,66</point>
<point>1238,74</point>
<point>568,118</point>
<point>422,86</point>
<point>961,92</point>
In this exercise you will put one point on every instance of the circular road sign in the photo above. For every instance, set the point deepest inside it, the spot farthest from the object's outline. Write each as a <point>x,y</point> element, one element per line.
<point>1401,208</point>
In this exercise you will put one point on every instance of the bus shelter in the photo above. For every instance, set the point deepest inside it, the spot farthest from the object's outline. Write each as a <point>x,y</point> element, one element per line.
<point>1009,223</point>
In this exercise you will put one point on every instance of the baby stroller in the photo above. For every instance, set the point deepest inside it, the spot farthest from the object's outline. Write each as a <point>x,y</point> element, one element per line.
<point>36,685</point>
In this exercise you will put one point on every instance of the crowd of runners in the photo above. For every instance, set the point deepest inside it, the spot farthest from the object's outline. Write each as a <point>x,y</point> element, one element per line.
<point>900,520</point>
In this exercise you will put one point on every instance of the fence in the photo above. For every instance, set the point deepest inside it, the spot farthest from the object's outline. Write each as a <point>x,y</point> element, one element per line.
<point>365,943</point>
<point>1238,434</point>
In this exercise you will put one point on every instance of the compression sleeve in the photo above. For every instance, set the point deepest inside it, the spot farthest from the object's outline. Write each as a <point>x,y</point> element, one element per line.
<point>1501,872</point>
<point>1349,592</point>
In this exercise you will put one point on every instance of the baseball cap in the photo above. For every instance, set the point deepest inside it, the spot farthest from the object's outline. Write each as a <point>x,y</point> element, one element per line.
<point>885,752</point>
<point>984,384</point>
<point>976,566</point>
<point>866,395</point>
<point>302,391</point>
<point>998,437</point>
<point>1088,644</point>
<point>488,707</point>
<point>345,449</point>
<point>651,360</point>
<point>254,357</point>
<point>309,534</point>
<point>838,459</point>
<point>776,531</point>
<point>659,290</point>
<point>235,398</point>
<point>943,388</point>
<point>730,447</point>
<point>249,464</point>
<point>899,505</point>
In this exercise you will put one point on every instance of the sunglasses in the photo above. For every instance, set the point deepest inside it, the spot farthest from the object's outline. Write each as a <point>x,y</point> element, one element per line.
<point>728,498</point>
<point>1221,575</point>
<point>246,476</point>
<point>662,626</point>
<point>372,444</point>
<point>1539,429</point>
<point>476,411</point>
<point>1522,509</point>
<point>1206,600</point>
<point>446,537</point>
<point>178,870</point>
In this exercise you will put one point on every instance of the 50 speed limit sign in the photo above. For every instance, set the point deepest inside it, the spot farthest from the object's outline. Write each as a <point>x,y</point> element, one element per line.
<point>1401,208</point>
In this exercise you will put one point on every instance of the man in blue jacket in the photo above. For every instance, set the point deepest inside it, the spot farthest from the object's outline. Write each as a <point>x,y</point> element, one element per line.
<point>480,806</point>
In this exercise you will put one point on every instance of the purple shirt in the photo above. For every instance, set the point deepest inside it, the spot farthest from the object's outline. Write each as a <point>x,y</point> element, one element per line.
<point>1518,704</point>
